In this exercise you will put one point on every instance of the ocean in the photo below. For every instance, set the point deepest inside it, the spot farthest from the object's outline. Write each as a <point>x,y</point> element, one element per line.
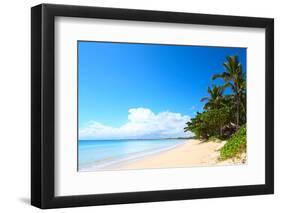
<point>94,155</point>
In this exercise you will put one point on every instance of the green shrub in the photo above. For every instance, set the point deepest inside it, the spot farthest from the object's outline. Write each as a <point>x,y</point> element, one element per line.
<point>236,145</point>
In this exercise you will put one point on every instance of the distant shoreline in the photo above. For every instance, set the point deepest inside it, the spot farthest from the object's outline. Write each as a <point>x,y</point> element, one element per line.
<point>136,139</point>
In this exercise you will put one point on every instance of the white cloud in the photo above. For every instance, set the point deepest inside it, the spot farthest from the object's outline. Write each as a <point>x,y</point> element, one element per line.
<point>142,123</point>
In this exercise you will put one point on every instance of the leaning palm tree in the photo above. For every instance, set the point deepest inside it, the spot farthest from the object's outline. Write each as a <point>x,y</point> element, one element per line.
<point>215,98</point>
<point>235,79</point>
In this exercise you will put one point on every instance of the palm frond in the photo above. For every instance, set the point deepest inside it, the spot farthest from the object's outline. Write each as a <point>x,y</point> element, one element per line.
<point>215,76</point>
<point>231,86</point>
<point>204,99</point>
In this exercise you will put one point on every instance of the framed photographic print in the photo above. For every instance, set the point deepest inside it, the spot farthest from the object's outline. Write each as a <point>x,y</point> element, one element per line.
<point>139,106</point>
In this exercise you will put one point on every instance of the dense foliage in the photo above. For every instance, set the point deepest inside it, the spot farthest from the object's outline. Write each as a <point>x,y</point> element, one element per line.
<point>235,145</point>
<point>209,123</point>
<point>223,113</point>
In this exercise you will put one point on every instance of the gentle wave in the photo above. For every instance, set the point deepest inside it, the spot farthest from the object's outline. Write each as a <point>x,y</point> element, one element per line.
<point>107,161</point>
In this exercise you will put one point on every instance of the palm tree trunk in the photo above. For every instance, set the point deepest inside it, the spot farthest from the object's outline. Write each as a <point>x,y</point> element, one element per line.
<point>237,110</point>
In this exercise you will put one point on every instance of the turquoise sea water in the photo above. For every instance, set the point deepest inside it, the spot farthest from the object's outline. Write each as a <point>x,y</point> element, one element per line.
<point>96,155</point>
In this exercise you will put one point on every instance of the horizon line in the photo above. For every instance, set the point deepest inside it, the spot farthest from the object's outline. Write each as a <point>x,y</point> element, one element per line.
<point>132,139</point>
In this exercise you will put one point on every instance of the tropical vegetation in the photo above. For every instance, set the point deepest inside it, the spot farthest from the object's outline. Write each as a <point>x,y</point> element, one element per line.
<point>224,113</point>
<point>235,145</point>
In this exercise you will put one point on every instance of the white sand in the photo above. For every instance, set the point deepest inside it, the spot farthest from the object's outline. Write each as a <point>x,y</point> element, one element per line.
<point>191,153</point>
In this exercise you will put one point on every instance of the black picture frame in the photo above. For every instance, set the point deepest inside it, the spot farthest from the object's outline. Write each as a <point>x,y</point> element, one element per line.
<point>43,114</point>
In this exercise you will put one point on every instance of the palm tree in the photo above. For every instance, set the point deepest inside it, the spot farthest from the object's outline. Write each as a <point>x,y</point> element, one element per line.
<point>235,79</point>
<point>197,126</point>
<point>215,98</point>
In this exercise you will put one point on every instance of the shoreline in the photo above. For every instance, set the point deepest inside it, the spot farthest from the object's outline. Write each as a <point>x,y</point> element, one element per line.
<point>191,153</point>
<point>119,163</point>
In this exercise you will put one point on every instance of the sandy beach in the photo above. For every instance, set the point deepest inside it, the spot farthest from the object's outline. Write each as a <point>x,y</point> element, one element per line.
<point>191,153</point>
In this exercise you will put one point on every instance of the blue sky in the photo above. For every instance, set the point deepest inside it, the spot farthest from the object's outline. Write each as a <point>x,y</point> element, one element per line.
<point>117,77</point>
